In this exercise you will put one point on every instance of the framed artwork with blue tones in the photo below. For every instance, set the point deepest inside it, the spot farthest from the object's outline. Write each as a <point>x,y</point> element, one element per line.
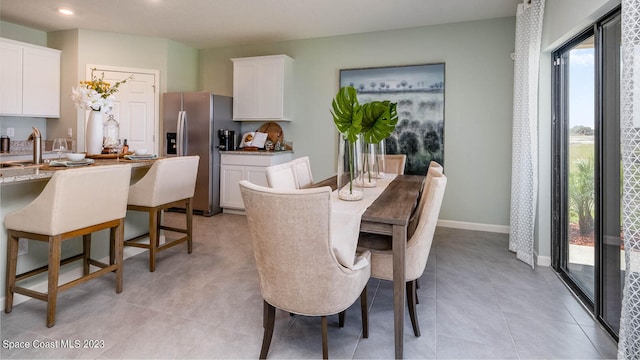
<point>419,92</point>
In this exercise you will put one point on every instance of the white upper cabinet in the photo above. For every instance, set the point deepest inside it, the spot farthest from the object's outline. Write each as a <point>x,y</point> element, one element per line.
<point>29,80</point>
<point>262,88</point>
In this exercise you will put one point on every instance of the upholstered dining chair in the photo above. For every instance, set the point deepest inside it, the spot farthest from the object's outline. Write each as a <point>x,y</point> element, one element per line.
<point>302,172</point>
<point>281,176</point>
<point>394,163</point>
<point>170,182</point>
<point>418,246</point>
<point>301,270</point>
<point>75,202</point>
<point>413,220</point>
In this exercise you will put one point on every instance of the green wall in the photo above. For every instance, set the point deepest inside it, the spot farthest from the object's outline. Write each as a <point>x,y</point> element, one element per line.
<point>478,102</point>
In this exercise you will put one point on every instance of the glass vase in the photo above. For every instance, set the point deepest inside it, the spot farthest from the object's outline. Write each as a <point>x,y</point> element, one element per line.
<point>368,171</point>
<point>348,170</point>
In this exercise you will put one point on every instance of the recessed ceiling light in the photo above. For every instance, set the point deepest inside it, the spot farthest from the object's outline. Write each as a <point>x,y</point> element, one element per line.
<point>65,11</point>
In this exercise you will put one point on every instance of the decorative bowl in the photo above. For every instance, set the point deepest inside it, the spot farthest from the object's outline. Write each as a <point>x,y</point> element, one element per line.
<point>76,156</point>
<point>141,151</point>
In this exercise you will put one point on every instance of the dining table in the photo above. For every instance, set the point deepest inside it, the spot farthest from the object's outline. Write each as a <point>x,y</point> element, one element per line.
<point>388,212</point>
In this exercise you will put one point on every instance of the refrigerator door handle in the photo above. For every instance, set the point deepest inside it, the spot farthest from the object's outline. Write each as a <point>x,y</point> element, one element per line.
<point>182,139</point>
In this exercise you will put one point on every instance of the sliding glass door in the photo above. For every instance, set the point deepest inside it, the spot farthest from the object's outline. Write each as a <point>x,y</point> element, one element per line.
<point>586,174</point>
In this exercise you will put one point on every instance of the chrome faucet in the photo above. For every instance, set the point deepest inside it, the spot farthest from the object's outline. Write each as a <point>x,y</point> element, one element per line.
<point>37,145</point>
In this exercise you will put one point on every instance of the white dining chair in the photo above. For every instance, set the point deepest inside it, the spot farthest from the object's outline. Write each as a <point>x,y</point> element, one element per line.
<point>302,172</point>
<point>394,163</point>
<point>281,176</point>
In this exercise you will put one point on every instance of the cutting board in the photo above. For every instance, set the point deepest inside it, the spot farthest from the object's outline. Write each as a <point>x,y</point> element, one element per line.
<point>273,130</point>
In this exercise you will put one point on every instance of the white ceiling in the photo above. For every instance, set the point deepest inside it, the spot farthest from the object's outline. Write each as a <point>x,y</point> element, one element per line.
<point>217,23</point>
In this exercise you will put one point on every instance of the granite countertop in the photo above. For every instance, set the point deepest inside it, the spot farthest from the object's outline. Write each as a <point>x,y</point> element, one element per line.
<point>255,152</point>
<point>15,175</point>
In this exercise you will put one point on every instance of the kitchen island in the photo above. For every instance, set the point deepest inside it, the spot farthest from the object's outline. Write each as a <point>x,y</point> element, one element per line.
<point>20,186</point>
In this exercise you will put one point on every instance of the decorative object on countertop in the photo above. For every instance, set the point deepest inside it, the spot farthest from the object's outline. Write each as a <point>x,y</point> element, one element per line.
<point>93,133</point>
<point>347,115</point>
<point>98,96</point>
<point>111,134</point>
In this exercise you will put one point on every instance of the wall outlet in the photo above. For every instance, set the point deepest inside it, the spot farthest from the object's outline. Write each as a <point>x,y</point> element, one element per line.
<point>69,132</point>
<point>23,246</point>
<point>10,132</point>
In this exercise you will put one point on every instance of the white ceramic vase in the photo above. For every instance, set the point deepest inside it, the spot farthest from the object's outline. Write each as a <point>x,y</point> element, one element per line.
<point>94,132</point>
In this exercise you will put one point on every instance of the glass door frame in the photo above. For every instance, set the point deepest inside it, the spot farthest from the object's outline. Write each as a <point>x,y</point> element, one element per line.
<point>560,166</point>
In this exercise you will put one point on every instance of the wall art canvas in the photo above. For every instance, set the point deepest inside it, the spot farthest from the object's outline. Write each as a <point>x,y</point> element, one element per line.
<point>419,92</point>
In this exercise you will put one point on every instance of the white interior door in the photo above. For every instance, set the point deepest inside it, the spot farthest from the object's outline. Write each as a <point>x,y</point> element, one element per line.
<point>135,106</point>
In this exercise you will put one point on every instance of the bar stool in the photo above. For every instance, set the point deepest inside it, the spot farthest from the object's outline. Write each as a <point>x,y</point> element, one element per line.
<point>169,183</point>
<point>75,202</point>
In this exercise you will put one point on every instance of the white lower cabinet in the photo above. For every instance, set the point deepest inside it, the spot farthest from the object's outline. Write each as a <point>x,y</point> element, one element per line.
<point>236,166</point>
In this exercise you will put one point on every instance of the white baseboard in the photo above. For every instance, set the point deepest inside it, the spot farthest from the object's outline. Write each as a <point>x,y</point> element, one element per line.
<point>503,229</point>
<point>543,260</point>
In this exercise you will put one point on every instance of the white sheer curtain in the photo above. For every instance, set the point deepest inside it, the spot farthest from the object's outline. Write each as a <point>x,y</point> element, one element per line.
<point>629,343</point>
<point>524,162</point>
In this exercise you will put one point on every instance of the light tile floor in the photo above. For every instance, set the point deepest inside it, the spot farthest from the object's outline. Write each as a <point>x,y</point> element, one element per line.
<point>476,302</point>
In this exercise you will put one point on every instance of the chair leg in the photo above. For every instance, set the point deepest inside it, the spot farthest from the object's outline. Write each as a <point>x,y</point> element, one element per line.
<point>325,345</point>
<point>154,235</point>
<point>341,318</point>
<point>189,210</point>
<point>54,271</point>
<point>365,313</point>
<point>12,263</point>
<point>86,251</point>
<point>117,248</point>
<point>411,302</point>
<point>268,322</point>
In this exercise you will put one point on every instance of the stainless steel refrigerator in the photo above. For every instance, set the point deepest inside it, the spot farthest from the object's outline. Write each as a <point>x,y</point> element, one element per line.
<point>191,123</point>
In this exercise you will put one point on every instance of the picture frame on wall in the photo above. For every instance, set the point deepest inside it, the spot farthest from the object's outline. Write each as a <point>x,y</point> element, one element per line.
<point>418,91</point>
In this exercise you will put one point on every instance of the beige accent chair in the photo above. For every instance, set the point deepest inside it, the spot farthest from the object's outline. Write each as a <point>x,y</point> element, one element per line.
<point>75,202</point>
<point>295,174</point>
<point>298,269</point>
<point>169,183</point>
<point>413,221</point>
<point>394,164</point>
<point>418,246</point>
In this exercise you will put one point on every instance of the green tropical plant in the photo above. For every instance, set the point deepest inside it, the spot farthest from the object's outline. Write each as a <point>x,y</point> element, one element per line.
<point>375,120</point>
<point>347,115</point>
<point>581,197</point>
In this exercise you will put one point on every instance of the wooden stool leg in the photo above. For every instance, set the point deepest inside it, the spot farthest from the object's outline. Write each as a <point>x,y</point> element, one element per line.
<point>54,271</point>
<point>117,245</point>
<point>189,210</point>
<point>86,250</point>
<point>12,263</point>
<point>154,235</point>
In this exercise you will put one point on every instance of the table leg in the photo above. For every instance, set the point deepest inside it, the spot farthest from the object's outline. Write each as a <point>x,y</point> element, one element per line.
<point>399,246</point>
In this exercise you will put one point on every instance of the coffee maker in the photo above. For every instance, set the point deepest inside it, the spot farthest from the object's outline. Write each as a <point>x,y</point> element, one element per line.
<point>227,140</point>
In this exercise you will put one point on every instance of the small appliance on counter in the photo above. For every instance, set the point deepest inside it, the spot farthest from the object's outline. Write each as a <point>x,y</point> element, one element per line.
<point>227,140</point>
<point>5,144</point>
